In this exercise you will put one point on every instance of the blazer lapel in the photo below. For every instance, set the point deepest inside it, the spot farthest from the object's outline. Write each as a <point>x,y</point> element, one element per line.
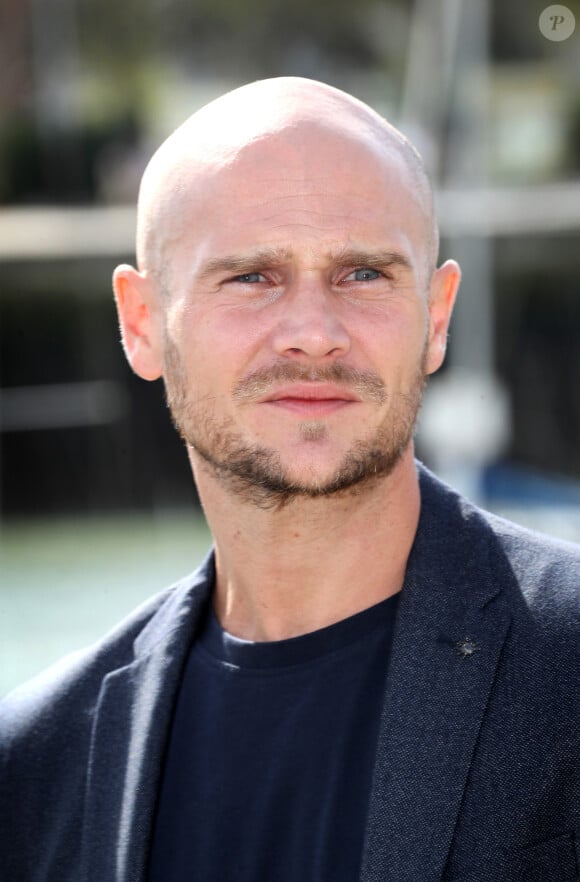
<point>451,627</point>
<point>129,736</point>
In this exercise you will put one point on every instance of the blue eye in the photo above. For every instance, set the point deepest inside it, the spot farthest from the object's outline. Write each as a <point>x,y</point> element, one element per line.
<point>250,278</point>
<point>365,274</point>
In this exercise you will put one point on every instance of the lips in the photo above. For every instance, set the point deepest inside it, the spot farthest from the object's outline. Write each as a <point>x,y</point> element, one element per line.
<point>307,392</point>
<point>310,400</point>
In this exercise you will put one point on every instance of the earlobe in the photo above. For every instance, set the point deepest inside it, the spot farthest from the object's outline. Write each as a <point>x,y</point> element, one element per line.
<point>136,302</point>
<point>444,287</point>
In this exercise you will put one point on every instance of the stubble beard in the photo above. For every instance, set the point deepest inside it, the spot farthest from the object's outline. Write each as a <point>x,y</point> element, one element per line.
<point>255,473</point>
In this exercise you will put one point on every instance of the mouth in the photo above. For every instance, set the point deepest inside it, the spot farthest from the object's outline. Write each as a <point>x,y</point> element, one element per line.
<point>311,400</point>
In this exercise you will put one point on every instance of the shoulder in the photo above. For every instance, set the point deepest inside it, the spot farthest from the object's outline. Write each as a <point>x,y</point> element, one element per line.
<point>47,729</point>
<point>546,570</point>
<point>73,674</point>
<point>541,571</point>
<point>45,736</point>
<point>70,688</point>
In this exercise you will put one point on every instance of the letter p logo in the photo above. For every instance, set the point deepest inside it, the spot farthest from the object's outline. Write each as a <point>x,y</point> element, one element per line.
<point>557,23</point>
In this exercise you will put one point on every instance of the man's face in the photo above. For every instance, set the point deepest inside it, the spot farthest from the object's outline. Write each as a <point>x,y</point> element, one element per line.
<point>297,326</point>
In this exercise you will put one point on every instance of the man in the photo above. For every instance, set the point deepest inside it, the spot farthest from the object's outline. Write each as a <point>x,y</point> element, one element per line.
<point>369,678</point>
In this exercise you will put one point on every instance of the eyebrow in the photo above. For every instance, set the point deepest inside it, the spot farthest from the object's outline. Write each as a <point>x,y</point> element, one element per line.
<point>238,264</point>
<point>373,259</point>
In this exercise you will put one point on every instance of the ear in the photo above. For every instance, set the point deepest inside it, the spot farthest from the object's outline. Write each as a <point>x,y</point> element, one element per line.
<point>139,320</point>
<point>443,290</point>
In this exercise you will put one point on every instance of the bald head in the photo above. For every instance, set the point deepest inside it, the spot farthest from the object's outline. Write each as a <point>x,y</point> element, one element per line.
<point>286,116</point>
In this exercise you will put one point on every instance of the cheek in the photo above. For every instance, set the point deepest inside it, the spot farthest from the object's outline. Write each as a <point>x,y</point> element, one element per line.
<point>216,347</point>
<point>396,345</point>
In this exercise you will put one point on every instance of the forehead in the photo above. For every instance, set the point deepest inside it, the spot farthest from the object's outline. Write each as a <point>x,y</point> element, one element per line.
<point>308,188</point>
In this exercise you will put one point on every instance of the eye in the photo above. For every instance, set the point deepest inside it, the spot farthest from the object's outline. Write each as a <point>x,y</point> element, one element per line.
<point>249,278</point>
<point>363,274</point>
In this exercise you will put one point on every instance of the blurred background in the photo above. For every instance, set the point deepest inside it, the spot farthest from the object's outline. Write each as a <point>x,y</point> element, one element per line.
<point>97,507</point>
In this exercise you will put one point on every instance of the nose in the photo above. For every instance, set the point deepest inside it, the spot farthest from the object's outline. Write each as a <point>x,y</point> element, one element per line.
<point>310,326</point>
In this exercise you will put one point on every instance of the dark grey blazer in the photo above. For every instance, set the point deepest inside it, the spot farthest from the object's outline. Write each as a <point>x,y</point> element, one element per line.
<point>477,774</point>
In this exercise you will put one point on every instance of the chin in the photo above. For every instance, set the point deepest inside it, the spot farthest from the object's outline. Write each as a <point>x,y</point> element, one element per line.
<point>311,464</point>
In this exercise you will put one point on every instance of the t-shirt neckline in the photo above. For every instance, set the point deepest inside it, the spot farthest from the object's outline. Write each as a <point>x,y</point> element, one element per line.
<point>295,650</point>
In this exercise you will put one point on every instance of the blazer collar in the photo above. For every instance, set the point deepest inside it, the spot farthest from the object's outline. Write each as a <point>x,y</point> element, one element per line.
<point>129,736</point>
<point>451,626</point>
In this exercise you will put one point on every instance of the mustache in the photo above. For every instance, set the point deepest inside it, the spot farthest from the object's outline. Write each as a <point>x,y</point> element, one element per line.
<point>366,384</point>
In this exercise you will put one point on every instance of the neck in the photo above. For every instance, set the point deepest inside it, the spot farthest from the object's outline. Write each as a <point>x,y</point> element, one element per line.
<point>283,573</point>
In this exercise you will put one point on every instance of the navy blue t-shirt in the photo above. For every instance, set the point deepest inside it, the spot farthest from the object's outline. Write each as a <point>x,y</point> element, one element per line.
<point>268,769</point>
